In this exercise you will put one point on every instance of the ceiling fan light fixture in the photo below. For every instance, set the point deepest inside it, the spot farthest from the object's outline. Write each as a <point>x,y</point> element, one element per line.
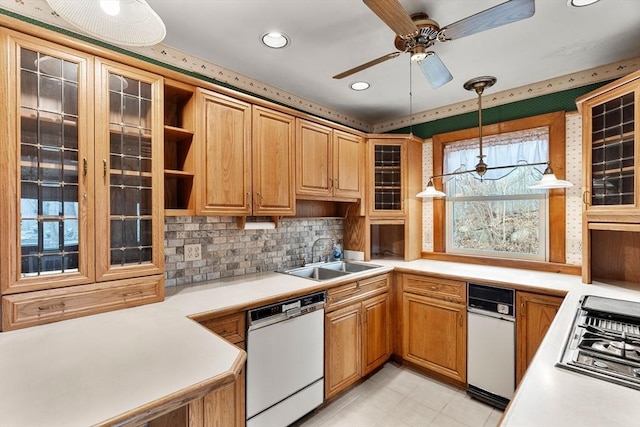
<point>580,3</point>
<point>360,86</point>
<point>418,54</point>
<point>121,22</point>
<point>275,40</point>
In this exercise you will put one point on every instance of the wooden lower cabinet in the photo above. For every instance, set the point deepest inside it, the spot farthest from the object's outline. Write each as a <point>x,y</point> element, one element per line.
<point>342,349</point>
<point>357,340</point>
<point>535,312</point>
<point>225,406</point>
<point>434,335</point>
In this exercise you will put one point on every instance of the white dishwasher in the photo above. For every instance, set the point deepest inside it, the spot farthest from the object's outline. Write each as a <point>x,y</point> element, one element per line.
<point>285,361</point>
<point>491,344</point>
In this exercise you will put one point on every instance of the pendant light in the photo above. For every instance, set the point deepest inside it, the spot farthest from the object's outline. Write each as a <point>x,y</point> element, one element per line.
<point>121,22</point>
<point>548,180</point>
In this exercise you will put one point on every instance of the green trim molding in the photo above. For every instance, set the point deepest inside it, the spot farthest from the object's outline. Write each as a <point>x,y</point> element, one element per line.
<point>558,101</point>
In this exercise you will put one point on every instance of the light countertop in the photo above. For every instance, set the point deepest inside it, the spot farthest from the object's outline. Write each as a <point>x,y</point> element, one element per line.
<point>90,370</point>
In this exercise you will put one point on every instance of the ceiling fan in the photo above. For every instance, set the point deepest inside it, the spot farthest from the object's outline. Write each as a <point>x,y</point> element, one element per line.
<point>416,33</point>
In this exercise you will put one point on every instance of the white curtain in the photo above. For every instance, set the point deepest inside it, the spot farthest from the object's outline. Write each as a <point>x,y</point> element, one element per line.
<point>527,146</point>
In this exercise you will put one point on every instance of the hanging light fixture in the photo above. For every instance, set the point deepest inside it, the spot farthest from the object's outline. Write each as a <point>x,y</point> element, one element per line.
<point>548,180</point>
<point>121,22</point>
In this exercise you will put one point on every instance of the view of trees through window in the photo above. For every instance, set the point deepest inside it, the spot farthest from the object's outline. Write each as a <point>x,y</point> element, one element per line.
<point>498,215</point>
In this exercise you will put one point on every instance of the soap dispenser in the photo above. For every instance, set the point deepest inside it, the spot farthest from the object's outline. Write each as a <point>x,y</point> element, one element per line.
<point>337,251</point>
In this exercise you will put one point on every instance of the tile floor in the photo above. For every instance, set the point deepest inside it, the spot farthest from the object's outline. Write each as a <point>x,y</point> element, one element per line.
<point>399,397</point>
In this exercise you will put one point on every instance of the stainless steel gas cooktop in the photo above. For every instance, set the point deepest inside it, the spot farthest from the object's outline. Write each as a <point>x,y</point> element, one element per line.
<point>605,341</point>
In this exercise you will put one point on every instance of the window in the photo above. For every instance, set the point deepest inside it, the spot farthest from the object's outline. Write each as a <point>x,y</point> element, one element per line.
<point>555,208</point>
<point>498,215</point>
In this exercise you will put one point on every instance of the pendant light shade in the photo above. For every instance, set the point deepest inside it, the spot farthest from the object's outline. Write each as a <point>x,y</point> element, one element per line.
<point>430,192</point>
<point>121,22</point>
<point>549,181</point>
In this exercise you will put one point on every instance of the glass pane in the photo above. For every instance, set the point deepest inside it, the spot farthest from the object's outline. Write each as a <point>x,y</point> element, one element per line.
<point>28,59</point>
<point>387,175</point>
<point>130,166</point>
<point>50,94</point>
<point>612,168</point>
<point>70,98</point>
<point>51,235</point>
<point>131,111</point>
<point>509,226</point>
<point>49,191</point>
<point>28,89</point>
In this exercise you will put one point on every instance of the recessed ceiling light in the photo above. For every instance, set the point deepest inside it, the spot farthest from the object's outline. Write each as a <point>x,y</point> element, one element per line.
<point>580,3</point>
<point>275,40</point>
<point>359,86</point>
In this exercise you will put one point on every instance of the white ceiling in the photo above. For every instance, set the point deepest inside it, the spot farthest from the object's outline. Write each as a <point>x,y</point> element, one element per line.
<point>331,36</point>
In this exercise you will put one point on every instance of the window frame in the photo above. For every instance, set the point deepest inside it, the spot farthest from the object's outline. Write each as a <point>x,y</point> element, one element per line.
<point>555,122</point>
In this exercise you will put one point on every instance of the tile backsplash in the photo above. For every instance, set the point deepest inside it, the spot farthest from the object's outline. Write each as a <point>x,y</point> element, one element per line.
<point>227,250</point>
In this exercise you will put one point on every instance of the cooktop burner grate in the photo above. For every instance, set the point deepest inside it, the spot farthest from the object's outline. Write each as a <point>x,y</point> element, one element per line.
<point>612,325</point>
<point>605,341</point>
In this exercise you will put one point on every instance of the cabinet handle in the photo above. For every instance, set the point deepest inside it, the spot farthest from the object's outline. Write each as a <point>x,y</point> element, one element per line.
<point>247,197</point>
<point>585,197</point>
<point>521,309</point>
<point>460,320</point>
<point>130,294</point>
<point>104,168</point>
<point>58,306</point>
<point>335,183</point>
<point>85,166</point>
<point>259,199</point>
<point>433,288</point>
<point>330,183</point>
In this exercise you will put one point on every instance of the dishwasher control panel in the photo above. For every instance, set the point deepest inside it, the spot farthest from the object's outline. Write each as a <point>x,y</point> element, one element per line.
<point>491,299</point>
<point>296,306</point>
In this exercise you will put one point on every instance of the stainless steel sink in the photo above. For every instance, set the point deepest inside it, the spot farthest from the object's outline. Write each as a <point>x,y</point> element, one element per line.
<point>349,267</point>
<point>316,273</point>
<point>330,270</point>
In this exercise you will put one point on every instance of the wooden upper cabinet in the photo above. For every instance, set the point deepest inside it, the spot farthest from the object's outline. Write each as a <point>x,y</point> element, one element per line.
<point>224,136</point>
<point>273,156</point>
<point>329,162</point>
<point>348,165</point>
<point>611,143</point>
<point>314,156</point>
<point>46,150</point>
<point>535,312</point>
<point>82,155</point>
<point>128,172</point>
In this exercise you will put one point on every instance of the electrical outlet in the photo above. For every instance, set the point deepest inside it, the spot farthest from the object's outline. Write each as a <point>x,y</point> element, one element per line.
<point>192,252</point>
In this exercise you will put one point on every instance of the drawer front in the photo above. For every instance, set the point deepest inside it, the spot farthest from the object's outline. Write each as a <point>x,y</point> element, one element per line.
<point>39,307</point>
<point>444,289</point>
<point>356,291</point>
<point>230,327</point>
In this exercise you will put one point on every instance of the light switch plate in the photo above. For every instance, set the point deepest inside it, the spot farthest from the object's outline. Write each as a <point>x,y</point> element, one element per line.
<point>192,252</point>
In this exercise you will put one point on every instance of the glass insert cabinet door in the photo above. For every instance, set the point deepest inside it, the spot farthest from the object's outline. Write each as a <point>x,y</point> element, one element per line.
<point>129,180</point>
<point>613,170</point>
<point>46,185</point>
<point>387,179</point>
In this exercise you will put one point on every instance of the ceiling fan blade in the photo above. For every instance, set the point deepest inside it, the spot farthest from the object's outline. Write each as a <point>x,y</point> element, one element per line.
<point>367,65</point>
<point>393,14</point>
<point>435,71</point>
<point>505,13</point>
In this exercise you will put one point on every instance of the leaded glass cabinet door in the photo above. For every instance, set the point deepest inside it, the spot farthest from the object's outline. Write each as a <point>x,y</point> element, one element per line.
<point>387,179</point>
<point>129,173</point>
<point>46,185</point>
<point>611,144</point>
